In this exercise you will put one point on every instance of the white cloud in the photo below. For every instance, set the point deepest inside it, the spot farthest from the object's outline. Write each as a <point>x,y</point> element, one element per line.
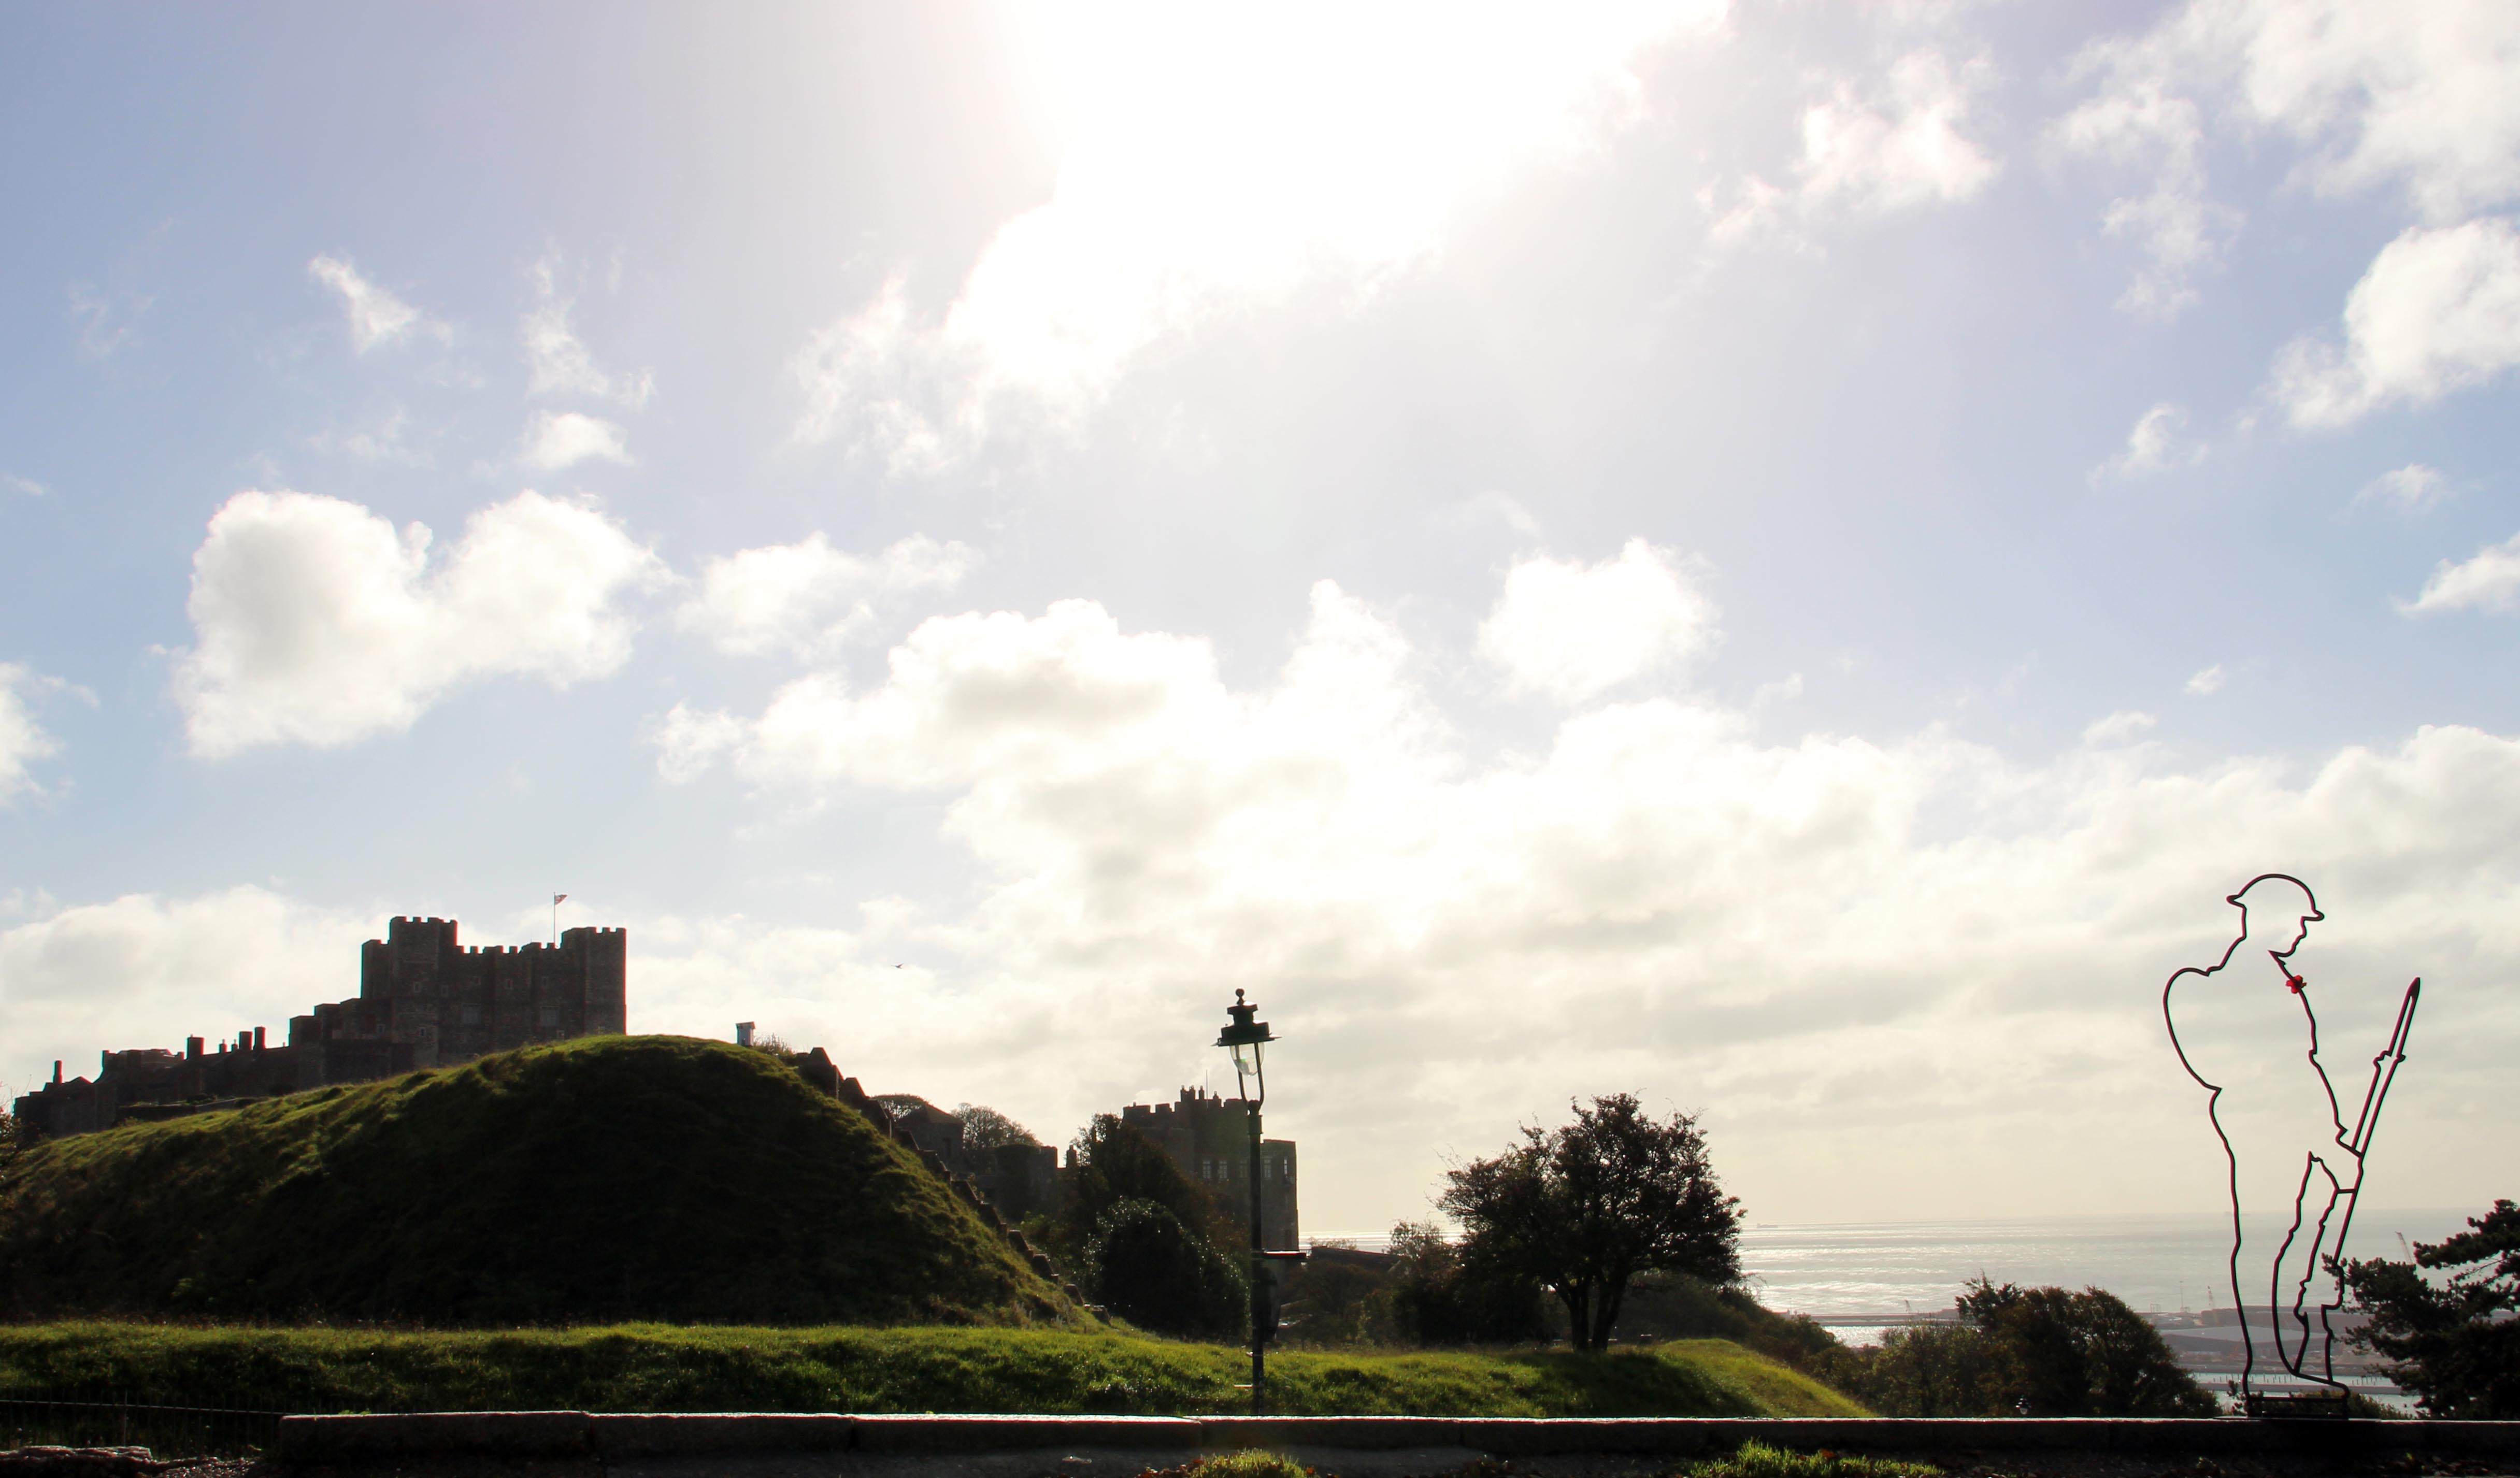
<point>1844,948</point>
<point>376,315</point>
<point>2410,488</point>
<point>2208,682</point>
<point>1569,632</point>
<point>2437,311</point>
<point>554,439</point>
<point>2121,728</point>
<point>558,361</point>
<point>2154,445</point>
<point>382,437</point>
<point>1899,148</point>
<point>22,741</point>
<point>1905,148</point>
<point>106,321</point>
<point>2491,581</point>
<point>28,485</point>
<point>808,598</point>
<point>1221,158</point>
<point>2175,222</point>
<point>2422,95</point>
<point>147,971</point>
<point>315,623</point>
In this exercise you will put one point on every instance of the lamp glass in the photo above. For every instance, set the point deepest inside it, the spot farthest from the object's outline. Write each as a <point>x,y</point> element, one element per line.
<point>1246,1059</point>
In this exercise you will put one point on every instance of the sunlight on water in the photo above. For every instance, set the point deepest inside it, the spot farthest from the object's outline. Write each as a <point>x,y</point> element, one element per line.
<point>2162,1263</point>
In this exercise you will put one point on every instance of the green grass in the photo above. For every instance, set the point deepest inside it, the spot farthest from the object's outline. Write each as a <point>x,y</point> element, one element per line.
<point>618,1178</point>
<point>1753,1459</point>
<point>656,1368</point>
<point>1757,1460</point>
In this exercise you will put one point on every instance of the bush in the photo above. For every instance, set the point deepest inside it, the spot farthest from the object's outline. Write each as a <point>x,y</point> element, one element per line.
<point>1757,1460</point>
<point>1158,1274</point>
<point>1113,1163</point>
<point>2457,1342</point>
<point>2025,1351</point>
<point>1445,1294</point>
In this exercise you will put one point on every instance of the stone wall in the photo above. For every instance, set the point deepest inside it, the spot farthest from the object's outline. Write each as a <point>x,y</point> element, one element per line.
<point>424,1001</point>
<point>1209,1138</point>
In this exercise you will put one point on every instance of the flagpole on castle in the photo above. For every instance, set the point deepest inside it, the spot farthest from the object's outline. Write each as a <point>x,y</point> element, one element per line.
<point>557,900</point>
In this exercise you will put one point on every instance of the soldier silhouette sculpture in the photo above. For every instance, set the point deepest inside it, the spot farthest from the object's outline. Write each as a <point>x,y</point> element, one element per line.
<point>2295,1160</point>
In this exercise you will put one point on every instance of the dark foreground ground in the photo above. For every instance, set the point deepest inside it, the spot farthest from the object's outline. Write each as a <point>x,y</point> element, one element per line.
<point>568,1445</point>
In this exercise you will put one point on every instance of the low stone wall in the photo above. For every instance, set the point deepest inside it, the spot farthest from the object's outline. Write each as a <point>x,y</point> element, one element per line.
<point>1168,1441</point>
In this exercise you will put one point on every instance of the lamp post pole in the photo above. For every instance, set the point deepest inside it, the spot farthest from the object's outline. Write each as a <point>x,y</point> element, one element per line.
<point>1259,1270</point>
<point>1245,1037</point>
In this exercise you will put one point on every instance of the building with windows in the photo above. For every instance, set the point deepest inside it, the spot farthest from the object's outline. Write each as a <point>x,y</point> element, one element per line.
<point>424,1002</point>
<point>1210,1139</point>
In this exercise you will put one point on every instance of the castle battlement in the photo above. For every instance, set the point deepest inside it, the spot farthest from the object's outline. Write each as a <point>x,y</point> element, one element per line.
<point>423,1002</point>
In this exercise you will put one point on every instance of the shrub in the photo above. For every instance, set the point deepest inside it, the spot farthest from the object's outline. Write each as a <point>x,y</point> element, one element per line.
<point>1757,1460</point>
<point>1158,1274</point>
<point>2457,1342</point>
<point>1445,1294</point>
<point>2028,1352</point>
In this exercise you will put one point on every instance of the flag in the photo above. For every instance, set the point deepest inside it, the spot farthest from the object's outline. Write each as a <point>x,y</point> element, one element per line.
<point>558,898</point>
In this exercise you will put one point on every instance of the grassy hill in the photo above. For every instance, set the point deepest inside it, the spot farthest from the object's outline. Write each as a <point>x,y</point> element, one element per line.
<point>607,1178</point>
<point>659,1369</point>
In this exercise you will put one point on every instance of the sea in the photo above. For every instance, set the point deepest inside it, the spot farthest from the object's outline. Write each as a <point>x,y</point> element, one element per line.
<point>1857,1276</point>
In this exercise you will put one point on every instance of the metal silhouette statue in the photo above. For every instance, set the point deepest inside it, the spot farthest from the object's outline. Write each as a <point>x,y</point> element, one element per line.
<point>2296,1161</point>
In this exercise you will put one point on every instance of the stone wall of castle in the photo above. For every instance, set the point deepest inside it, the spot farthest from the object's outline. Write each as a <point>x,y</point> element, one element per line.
<point>1209,1138</point>
<point>424,1001</point>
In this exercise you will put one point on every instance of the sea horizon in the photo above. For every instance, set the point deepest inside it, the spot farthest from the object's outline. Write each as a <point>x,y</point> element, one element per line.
<point>2157,1262</point>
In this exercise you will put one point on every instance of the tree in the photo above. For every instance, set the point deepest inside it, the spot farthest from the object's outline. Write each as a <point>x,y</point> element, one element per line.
<point>1110,1163</point>
<point>1443,1294</point>
<point>2457,1342</point>
<point>1582,1209</point>
<point>1158,1274</point>
<point>2025,1351</point>
<point>1113,1163</point>
<point>2081,1354</point>
<point>984,1129</point>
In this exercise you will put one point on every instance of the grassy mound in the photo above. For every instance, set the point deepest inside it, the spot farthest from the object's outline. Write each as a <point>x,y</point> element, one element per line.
<point>656,1368</point>
<point>654,1178</point>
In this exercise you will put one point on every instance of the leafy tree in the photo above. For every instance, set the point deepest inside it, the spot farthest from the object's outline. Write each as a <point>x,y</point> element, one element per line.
<point>1444,1294</point>
<point>2081,1354</point>
<point>1582,1209</point>
<point>1159,1274</point>
<point>1111,1163</point>
<point>1115,1163</point>
<point>1926,1371</point>
<point>2457,1342</point>
<point>984,1129</point>
<point>2034,1352</point>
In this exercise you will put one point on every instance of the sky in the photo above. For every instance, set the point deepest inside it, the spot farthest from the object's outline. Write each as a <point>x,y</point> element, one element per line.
<point>1782,558</point>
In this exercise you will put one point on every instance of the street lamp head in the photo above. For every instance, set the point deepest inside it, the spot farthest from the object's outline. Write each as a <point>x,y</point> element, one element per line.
<point>1247,1040</point>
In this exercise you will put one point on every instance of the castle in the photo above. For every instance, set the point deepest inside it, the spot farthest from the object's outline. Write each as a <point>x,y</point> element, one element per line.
<point>424,1002</point>
<point>1210,1139</point>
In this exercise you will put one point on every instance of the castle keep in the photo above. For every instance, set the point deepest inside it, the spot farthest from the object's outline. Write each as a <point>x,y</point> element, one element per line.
<point>424,1002</point>
<point>1209,1138</point>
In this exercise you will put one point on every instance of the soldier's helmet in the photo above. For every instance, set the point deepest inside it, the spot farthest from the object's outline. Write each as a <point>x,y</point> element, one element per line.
<point>2277,905</point>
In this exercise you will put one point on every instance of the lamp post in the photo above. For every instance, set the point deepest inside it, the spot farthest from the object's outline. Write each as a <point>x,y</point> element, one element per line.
<point>1247,1040</point>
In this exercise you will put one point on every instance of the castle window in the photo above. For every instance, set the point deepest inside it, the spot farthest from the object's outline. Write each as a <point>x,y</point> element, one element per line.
<point>551,1015</point>
<point>472,1015</point>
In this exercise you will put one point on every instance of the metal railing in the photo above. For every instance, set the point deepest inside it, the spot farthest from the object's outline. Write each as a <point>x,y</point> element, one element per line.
<point>92,1418</point>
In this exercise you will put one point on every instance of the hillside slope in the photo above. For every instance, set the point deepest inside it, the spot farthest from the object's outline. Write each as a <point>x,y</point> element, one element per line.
<point>653,1177</point>
<point>647,1368</point>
